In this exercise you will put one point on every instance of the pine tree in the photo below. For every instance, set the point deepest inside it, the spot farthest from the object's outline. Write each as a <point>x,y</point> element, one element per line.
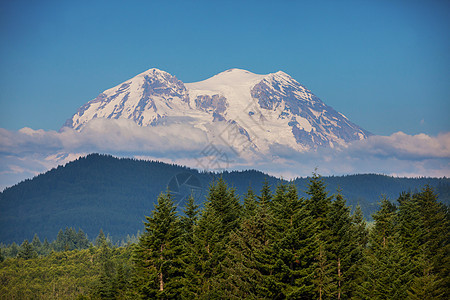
<point>219,218</point>
<point>427,285</point>
<point>106,284</point>
<point>26,251</point>
<point>318,206</point>
<point>250,203</point>
<point>13,250</point>
<point>36,243</point>
<point>408,224</point>
<point>248,252</point>
<point>188,222</point>
<point>266,194</point>
<point>121,282</point>
<point>389,272</point>
<point>59,243</point>
<point>360,238</point>
<point>101,239</point>
<point>388,268</point>
<point>325,286</point>
<point>157,256</point>
<point>290,259</point>
<point>384,227</point>
<point>361,234</point>
<point>343,252</point>
<point>82,242</point>
<point>319,202</point>
<point>428,240</point>
<point>46,248</point>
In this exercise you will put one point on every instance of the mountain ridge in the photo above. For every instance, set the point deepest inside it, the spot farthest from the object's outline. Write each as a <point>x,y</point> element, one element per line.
<point>114,194</point>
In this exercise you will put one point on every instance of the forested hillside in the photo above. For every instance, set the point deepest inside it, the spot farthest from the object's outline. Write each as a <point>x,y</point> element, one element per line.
<point>274,245</point>
<point>102,192</point>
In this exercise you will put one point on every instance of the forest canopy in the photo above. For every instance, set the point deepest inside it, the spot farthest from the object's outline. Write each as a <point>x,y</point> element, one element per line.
<point>274,244</point>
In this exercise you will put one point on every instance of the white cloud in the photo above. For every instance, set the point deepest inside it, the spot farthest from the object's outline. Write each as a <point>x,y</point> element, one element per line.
<point>27,152</point>
<point>403,146</point>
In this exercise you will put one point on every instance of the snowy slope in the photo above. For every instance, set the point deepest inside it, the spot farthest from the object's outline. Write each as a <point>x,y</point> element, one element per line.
<point>244,110</point>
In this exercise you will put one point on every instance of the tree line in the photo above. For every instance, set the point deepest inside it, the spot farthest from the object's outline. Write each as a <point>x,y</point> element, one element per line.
<point>274,245</point>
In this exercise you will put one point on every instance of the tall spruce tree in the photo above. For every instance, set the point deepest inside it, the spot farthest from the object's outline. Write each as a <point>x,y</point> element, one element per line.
<point>26,251</point>
<point>389,272</point>
<point>36,243</point>
<point>318,206</point>
<point>191,279</point>
<point>219,218</point>
<point>387,267</point>
<point>266,194</point>
<point>425,232</point>
<point>360,237</point>
<point>189,220</point>
<point>105,288</point>
<point>344,252</point>
<point>246,257</point>
<point>385,220</point>
<point>250,203</point>
<point>158,265</point>
<point>291,256</point>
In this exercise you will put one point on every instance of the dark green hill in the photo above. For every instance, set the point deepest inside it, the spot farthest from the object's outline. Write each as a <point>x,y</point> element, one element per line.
<point>101,191</point>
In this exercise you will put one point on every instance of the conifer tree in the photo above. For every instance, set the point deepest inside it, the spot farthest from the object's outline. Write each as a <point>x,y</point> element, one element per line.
<point>427,240</point>
<point>388,269</point>
<point>361,234</point>
<point>318,206</point>
<point>13,250</point>
<point>121,282</point>
<point>250,203</point>
<point>219,218</point>
<point>249,254</point>
<point>59,243</point>
<point>344,252</point>
<point>36,243</point>
<point>101,239</point>
<point>325,286</point>
<point>158,255</point>
<point>292,255</point>
<point>26,251</point>
<point>427,285</point>
<point>266,194</point>
<point>389,272</point>
<point>360,238</point>
<point>384,227</point>
<point>188,222</point>
<point>106,284</point>
<point>408,224</point>
<point>82,242</point>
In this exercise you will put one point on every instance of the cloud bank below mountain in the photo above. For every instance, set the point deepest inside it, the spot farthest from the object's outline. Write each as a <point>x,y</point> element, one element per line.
<point>27,152</point>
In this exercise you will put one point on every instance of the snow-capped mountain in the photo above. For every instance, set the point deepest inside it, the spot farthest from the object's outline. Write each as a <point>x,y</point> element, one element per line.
<point>244,110</point>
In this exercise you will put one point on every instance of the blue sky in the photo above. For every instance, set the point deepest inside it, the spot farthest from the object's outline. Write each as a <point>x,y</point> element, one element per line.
<point>384,64</point>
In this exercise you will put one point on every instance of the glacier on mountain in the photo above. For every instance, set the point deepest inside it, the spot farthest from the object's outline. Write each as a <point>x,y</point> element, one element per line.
<point>237,108</point>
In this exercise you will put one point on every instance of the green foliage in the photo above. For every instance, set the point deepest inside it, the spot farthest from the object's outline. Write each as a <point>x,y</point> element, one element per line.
<point>100,191</point>
<point>211,235</point>
<point>26,251</point>
<point>158,255</point>
<point>275,246</point>
<point>60,275</point>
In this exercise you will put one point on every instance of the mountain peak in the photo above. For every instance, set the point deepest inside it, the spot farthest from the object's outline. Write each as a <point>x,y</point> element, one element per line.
<point>153,71</point>
<point>231,77</point>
